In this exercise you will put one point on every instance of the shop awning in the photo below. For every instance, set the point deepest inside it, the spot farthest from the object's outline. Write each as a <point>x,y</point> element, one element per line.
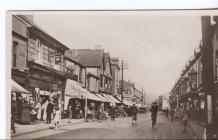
<point>73,90</point>
<point>107,98</point>
<point>113,99</point>
<point>125,102</point>
<point>15,87</point>
<point>89,95</point>
<point>102,97</point>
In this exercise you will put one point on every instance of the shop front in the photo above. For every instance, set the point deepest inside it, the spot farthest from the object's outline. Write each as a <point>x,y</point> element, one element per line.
<point>45,83</point>
<point>79,98</point>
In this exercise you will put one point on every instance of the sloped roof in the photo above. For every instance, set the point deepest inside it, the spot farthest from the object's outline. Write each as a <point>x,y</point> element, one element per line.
<point>88,57</point>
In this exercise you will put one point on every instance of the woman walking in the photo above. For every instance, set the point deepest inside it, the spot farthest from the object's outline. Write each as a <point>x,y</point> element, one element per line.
<point>70,113</point>
<point>57,117</point>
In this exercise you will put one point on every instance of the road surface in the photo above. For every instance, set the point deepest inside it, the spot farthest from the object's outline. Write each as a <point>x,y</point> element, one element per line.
<point>122,129</point>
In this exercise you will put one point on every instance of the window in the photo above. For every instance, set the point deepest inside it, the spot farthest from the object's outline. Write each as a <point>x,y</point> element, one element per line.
<point>101,81</point>
<point>38,45</point>
<point>14,53</point>
<point>58,59</point>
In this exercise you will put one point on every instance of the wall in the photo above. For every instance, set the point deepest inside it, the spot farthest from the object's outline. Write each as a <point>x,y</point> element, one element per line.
<point>42,53</point>
<point>19,42</point>
<point>93,84</point>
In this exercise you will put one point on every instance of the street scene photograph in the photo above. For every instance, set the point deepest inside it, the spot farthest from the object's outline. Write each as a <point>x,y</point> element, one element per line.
<point>112,74</point>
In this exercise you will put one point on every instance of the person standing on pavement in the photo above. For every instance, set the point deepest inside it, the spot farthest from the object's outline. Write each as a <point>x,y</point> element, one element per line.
<point>25,113</point>
<point>49,111</point>
<point>171,114</point>
<point>70,113</point>
<point>101,111</point>
<point>154,111</point>
<point>13,114</point>
<point>38,109</point>
<point>57,117</point>
<point>185,122</point>
<point>113,112</point>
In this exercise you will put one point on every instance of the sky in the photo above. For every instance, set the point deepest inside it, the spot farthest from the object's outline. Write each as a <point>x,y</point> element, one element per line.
<point>155,47</point>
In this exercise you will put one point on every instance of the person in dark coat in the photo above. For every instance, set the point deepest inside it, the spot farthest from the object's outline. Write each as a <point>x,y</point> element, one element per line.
<point>49,111</point>
<point>13,114</point>
<point>25,113</point>
<point>19,107</point>
<point>134,112</point>
<point>113,113</point>
<point>154,111</point>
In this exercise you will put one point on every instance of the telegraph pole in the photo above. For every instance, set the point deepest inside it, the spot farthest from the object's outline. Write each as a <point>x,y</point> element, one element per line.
<point>123,66</point>
<point>208,76</point>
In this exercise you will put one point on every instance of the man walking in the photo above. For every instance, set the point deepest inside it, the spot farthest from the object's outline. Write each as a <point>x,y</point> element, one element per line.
<point>134,112</point>
<point>49,111</point>
<point>154,111</point>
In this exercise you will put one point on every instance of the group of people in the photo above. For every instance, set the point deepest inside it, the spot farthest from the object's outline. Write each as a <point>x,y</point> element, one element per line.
<point>26,111</point>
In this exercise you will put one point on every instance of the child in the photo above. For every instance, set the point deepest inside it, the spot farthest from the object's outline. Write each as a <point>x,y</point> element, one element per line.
<point>57,117</point>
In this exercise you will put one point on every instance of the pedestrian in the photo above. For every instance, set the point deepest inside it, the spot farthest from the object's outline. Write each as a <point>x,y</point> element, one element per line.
<point>70,113</point>
<point>113,113</point>
<point>101,112</point>
<point>13,114</point>
<point>134,112</point>
<point>167,112</point>
<point>171,114</point>
<point>49,111</point>
<point>185,122</point>
<point>42,113</point>
<point>89,114</point>
<point>57,117</point>
<point>38,110</point>
<point>25,113</point>
<point>154,111</point>
<point>19,104</point>
<point>92,108</point>
<point>33,115</point>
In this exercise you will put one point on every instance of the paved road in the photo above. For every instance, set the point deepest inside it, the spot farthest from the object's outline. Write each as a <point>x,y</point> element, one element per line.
<point>122,129</point>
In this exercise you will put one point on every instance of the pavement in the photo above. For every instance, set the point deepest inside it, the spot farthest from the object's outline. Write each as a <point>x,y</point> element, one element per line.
<point>22,130</point>
<point>122,128</point>
<point>197,129</point>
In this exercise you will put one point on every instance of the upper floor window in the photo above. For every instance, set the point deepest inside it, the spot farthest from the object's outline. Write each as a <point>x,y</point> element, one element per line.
<point>14,53</point>
<point>58,59</point>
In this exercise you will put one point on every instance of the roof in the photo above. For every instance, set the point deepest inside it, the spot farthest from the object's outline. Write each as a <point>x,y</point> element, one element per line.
<point>106,57</point>
<point>42,32</point>
<point>70,56</point>
<point>88,57</point>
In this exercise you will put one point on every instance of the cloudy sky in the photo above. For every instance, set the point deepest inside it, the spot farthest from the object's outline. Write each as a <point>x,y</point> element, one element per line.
<point>156,47</point>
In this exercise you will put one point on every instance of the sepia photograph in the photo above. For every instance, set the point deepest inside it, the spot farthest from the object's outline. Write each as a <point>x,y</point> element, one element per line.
<point>112,74</point>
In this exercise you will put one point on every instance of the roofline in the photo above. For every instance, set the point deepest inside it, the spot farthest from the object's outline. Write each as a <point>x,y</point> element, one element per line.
<point>36,27</point>
<point>66,57</point>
